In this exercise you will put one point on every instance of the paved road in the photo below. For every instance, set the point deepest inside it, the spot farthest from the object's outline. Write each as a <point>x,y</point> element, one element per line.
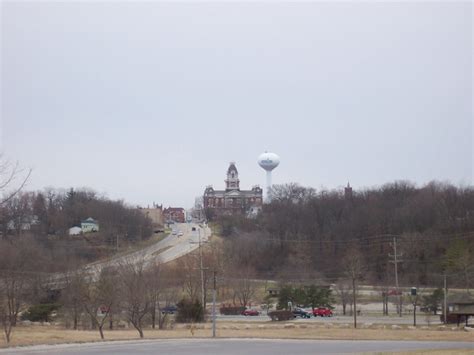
<point>168,249</point>
<point>179,246</point>
<point>175,246</point>
<point>238,347</point>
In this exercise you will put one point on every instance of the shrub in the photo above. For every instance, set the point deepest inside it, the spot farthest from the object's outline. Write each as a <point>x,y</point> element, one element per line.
<point>281,315</point>
<point>232,311</point>
<point>189,311</point>
<point>40,312</point>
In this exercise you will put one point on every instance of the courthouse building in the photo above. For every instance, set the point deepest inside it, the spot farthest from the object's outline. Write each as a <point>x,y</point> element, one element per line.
<point>232,200</point>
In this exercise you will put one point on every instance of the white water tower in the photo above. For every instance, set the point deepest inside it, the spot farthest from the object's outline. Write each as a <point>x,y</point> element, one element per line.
<point>268,162</point>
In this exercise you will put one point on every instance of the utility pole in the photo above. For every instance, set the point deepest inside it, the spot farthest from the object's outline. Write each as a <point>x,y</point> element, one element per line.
<point>395,261</point>
<point>445,302</point>
<point>201,268</point>
<point>354,300</point>
<point>202,273</point>
<point>414,298</point>
<point>214,307</point>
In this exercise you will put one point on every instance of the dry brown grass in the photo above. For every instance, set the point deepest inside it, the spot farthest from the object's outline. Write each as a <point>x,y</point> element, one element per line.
<point>35,334</point>
<point>430,351</point>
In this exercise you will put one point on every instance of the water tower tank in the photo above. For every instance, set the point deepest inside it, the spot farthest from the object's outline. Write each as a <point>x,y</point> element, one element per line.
<point>268,161</point>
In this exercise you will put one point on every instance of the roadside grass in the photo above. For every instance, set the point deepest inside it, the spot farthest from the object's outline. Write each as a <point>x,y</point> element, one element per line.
<point>131,248</point>
<point>156,253</point>
<point>37,334</point>
<point>428,351</point>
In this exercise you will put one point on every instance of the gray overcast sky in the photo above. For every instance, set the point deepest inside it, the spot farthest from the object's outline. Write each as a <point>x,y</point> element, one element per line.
<point>150,101</point>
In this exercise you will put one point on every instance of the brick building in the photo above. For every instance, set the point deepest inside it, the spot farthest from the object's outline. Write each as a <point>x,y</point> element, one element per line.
<point>232,200</point>
<point>175,214</point>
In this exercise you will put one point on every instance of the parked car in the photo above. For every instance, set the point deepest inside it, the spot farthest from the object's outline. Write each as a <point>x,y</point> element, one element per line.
<point>250,312</point>
<point>174,232</point>
<point>193,229</point>
<point>453,318</point>
<point>299,312</point>
<point>180,234</point>
<point>322,312</point>
<point>169,310</point>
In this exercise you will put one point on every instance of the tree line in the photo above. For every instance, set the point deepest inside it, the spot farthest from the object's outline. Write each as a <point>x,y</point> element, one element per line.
<point>306,234</point>
<point>131,293</point>
<point>47,215</point>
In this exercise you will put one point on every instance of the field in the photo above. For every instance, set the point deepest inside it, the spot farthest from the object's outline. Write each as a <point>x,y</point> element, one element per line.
<point>38,334</point>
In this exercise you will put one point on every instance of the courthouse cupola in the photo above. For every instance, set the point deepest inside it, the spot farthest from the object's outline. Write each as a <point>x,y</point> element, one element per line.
<point>232,182</point>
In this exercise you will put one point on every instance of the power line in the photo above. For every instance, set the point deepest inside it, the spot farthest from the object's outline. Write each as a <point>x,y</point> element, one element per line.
<point>376,238</point>
<point>395,261</point>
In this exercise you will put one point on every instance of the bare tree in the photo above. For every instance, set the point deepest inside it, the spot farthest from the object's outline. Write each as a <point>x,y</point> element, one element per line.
<point>191,280</point>
<point>99,296</point>
<point>243,284</point>
<point>12,179</point>
<point>162,294</point>
<point>12,289</point>
<point>353,265</point>
<point>136,297</point>
<point>17,275</point>
<point>342,290</point>
<point>71,295</point>
<point>17,213</point>
<point>164,287</point>
<point>155,289</point>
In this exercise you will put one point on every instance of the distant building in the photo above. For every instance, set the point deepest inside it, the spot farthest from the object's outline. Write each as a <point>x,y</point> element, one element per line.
<point>460,308</point>
<point>198,211</point>
<point>25,223</point>
<point>155,214</point>
<point>75,230</point>
<point>89,225</point>
<point>348,192</point>
<point>232,200</point>
<point>175,214</point>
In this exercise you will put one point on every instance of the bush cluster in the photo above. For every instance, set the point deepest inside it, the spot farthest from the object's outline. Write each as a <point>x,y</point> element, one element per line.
<point>189,311</point>
<point>40,312</point>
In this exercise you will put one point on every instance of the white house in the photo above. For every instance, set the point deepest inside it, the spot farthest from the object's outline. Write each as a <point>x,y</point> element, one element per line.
<point>23,224</point>
<point>75,230</point>
<point>89,225</point>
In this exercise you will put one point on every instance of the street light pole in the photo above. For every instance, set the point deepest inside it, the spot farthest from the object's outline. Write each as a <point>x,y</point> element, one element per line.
<point>214,307</point>
<point>445,303</point>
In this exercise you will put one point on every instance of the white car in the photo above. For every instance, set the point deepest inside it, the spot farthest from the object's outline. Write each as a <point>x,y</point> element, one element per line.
<point>180,234</point>
<point>174,232</point>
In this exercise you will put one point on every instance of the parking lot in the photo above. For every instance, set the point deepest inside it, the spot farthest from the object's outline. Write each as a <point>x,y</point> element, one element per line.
<point>421,319</point>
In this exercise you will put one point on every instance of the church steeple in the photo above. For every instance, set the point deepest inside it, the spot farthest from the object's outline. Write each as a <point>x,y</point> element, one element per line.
<point>232,182</point>
<point>348,192</point>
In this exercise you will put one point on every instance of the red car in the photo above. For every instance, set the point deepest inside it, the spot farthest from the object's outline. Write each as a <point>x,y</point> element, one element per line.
<point>250,312</point>
<point>322,312</point>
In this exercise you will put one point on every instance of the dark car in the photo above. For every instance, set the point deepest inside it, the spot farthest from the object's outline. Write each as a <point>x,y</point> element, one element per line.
<point>169,310</point>
<point>453,318</point>
<point>250,312</point>
<point>299,312</point>
<point>322,312</point>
